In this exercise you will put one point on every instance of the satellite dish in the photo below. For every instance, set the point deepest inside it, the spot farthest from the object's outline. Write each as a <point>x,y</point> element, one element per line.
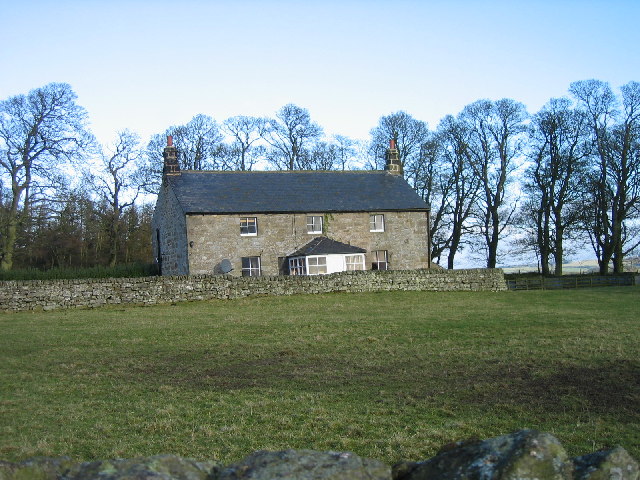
<point>225,266</point>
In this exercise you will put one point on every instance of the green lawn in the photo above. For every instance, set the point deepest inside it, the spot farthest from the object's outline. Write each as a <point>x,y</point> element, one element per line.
<point>385,375</point>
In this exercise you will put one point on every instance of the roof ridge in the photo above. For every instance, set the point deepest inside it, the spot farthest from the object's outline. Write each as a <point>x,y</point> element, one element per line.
<point>246,172</point>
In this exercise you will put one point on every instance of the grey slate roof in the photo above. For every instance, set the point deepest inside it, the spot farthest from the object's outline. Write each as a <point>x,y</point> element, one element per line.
<point>326,246</point>
<point>293,191</point>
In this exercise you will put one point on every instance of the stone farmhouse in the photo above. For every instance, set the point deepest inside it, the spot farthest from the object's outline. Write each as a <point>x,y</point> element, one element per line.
<point>288,222</point>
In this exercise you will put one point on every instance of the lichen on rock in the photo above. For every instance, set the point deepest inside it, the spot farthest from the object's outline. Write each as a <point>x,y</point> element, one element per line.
<point>523,455</point>
<point>35,468</point>
<point>306,465</point>
<point>526,454</point>
<point>160,467</point>
<point>615,464</point>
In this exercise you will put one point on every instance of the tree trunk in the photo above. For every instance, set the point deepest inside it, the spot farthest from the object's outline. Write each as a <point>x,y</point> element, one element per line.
<point>544,261</point>
<point>558,246</point>
<point>543,239</point>
<point>243,154</point>
<point>603,263</point>
<point>453,249</point>
<point>492,243</point>
<point>114,231</point>
<point>559,253</point>
<point>9,242</point>
<point>617,253</point>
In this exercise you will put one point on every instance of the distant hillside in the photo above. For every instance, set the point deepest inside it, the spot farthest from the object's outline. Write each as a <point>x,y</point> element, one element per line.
<point>631,264</point>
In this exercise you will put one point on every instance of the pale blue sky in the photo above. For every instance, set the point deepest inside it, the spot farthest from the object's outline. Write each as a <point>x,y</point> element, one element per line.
<point>145,65</point>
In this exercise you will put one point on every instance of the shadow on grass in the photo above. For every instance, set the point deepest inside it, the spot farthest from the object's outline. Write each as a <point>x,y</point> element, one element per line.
<point>604,389</point>
<point>610,388</point>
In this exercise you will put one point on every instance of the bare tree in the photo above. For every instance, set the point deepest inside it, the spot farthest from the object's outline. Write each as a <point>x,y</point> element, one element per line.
<point>114,181</point>
<point>496,130</point>
<point>459,185</point>
<point>322,156</point>
<point>335,154</point>
<point>431,183</point>
<point>614,182</point>
<point>199,144</point>
<point>558,152</point>
<point>198,141</point>
<point>346,151</point>
<point>409,135</point>
<point>291,136</point>
<point>38,131</point>
<point>246,132</point>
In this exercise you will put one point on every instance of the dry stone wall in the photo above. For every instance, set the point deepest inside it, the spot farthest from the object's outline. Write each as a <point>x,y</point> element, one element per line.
<point>523,455</point>
<point>56,294</point>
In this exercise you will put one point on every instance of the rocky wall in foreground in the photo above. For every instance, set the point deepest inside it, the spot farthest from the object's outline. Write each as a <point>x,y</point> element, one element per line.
<point>524,455</point>
<point>89,293</point>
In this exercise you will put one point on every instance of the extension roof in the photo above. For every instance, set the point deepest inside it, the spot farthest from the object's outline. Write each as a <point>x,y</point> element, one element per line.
<point>326,246</point>
<point>293,191</point>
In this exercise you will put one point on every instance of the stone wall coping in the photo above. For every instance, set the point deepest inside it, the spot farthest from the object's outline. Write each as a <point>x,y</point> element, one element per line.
<point>156,278</point>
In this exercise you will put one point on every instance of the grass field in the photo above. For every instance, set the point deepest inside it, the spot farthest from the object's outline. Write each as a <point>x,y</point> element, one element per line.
<point>386,375</point>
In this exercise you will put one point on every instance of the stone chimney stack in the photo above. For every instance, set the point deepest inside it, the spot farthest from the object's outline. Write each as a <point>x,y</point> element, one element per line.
<point>170,154</point>
<point>393,165</point>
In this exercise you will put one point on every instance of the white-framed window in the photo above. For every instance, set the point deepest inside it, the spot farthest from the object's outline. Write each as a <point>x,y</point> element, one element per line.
<point>248,226</point>
<point>314,224</point>
<point>297,266</point>
<point>354,262</point>
<point>250,266</point>
<point>316,265</point>
<point>379,260</point>
<point>376,223</point>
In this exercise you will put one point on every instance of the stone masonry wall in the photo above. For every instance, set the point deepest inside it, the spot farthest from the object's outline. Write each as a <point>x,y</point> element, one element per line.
<point>56,294</point>
<point>169,226</point>
<point>213,238</point>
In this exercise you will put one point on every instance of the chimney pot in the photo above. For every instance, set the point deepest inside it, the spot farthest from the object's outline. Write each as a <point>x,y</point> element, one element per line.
<point>169,141</point>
